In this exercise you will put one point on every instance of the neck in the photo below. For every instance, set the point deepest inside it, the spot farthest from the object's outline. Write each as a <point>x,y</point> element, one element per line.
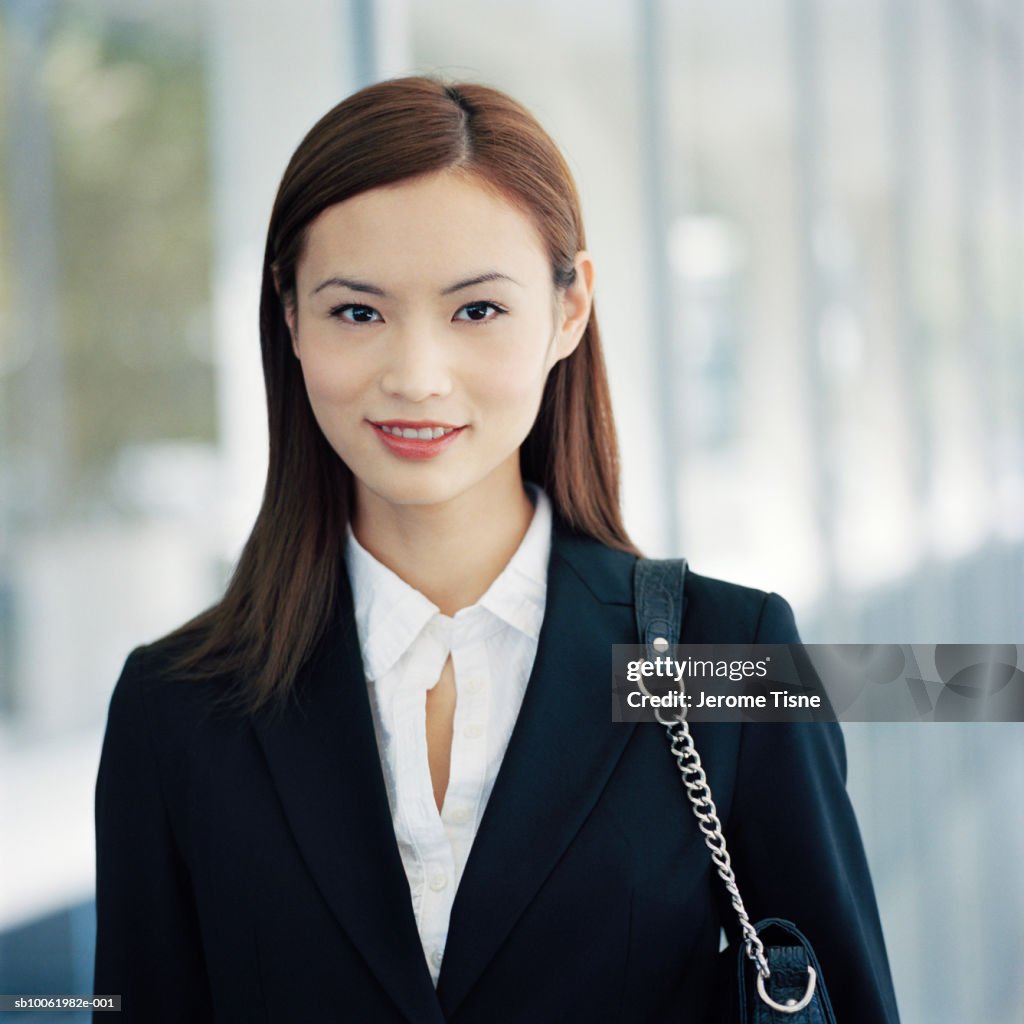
<point>451,552</point>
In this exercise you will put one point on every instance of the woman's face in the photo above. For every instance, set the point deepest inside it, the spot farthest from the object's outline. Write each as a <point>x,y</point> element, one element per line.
<point>426,323</point>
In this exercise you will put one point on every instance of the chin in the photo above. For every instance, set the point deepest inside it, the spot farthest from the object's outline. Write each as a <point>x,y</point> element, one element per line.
<point>413,492</point>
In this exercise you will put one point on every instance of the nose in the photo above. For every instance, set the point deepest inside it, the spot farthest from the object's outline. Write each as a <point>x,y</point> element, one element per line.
<point>416,365</point>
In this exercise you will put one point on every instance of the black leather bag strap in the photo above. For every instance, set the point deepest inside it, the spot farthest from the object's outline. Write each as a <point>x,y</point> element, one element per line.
<point>658,596</point>
<point>795,991</point>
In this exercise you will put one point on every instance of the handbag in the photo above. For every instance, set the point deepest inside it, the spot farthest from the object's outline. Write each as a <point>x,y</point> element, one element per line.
<point>778,977</point>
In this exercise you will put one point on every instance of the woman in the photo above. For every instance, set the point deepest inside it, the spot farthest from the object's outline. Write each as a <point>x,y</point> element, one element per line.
<point>379,781</point>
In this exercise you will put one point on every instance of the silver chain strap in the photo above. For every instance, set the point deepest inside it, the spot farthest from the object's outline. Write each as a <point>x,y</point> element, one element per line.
<point>651,596</point>
<point>699,792</point>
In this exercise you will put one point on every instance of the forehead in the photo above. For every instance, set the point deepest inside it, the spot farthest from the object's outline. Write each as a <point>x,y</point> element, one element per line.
<point>438,224</point>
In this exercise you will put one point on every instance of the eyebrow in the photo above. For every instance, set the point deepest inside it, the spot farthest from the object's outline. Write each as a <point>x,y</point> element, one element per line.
<point>492,275</point>
<point>372,289</point>
<point>348,282</point>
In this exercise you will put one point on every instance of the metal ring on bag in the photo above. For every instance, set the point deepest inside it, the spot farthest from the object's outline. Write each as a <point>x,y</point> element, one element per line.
<point>658,715</point>
<point>791,1006</point>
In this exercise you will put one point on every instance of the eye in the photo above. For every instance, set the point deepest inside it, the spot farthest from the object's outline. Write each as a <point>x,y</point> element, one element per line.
<point>353,313</point>
<point>480,312</point>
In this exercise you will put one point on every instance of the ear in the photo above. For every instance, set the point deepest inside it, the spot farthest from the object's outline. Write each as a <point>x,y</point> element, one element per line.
<point>291,319</point>
<point>574,307</point>
<point>288,308</point>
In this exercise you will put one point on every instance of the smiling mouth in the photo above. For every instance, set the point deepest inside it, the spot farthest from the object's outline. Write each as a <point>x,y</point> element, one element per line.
<point>417,433</point>
<point>418,441</point>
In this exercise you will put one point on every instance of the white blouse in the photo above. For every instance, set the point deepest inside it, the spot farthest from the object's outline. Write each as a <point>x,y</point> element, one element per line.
<point>405,641</point>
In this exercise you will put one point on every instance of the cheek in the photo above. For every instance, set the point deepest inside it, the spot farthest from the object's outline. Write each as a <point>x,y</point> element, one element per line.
<point>330,381</point>
<point>512,387</point>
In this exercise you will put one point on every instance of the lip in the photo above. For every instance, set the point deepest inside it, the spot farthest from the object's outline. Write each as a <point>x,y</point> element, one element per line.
<point>414,447</point>
<point>415,424</point>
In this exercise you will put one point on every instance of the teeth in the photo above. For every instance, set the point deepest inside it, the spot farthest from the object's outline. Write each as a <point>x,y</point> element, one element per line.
<point>421,434</point>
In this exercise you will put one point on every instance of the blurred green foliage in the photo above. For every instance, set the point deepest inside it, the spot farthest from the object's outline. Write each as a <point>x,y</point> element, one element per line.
<point>129,141</point>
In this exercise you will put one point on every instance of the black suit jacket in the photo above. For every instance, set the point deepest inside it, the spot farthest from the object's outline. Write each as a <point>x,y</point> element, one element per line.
<point>247,870</point>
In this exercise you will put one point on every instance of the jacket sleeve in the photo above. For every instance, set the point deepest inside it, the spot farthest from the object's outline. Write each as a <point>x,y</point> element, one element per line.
<point>148,945</point>
<point>797,851</point>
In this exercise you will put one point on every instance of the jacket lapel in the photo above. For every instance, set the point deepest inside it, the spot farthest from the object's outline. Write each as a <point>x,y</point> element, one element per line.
<point>323,757</point>
<point>562,751</point>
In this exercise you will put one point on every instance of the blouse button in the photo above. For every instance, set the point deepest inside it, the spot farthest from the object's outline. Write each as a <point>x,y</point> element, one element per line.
<point>473,732</point>
<point>474,685</point>
<point>438,882</point>
<point>460,816</point>
<point>436,957</point>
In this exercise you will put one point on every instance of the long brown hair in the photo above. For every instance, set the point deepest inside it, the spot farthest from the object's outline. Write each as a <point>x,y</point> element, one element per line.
<point>283,591</point>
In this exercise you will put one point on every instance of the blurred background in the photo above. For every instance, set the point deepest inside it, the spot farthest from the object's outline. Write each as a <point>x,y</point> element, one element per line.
<point>808,221</point>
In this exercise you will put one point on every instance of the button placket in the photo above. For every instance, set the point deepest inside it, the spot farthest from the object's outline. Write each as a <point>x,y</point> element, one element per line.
<point>472,675</point>
<point>461,815</point>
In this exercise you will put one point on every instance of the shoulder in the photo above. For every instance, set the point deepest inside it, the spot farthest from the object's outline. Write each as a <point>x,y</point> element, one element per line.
<point>167,732</point>
<point>162,662</point>
<point>717,611</point>
<point>156,687</point>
